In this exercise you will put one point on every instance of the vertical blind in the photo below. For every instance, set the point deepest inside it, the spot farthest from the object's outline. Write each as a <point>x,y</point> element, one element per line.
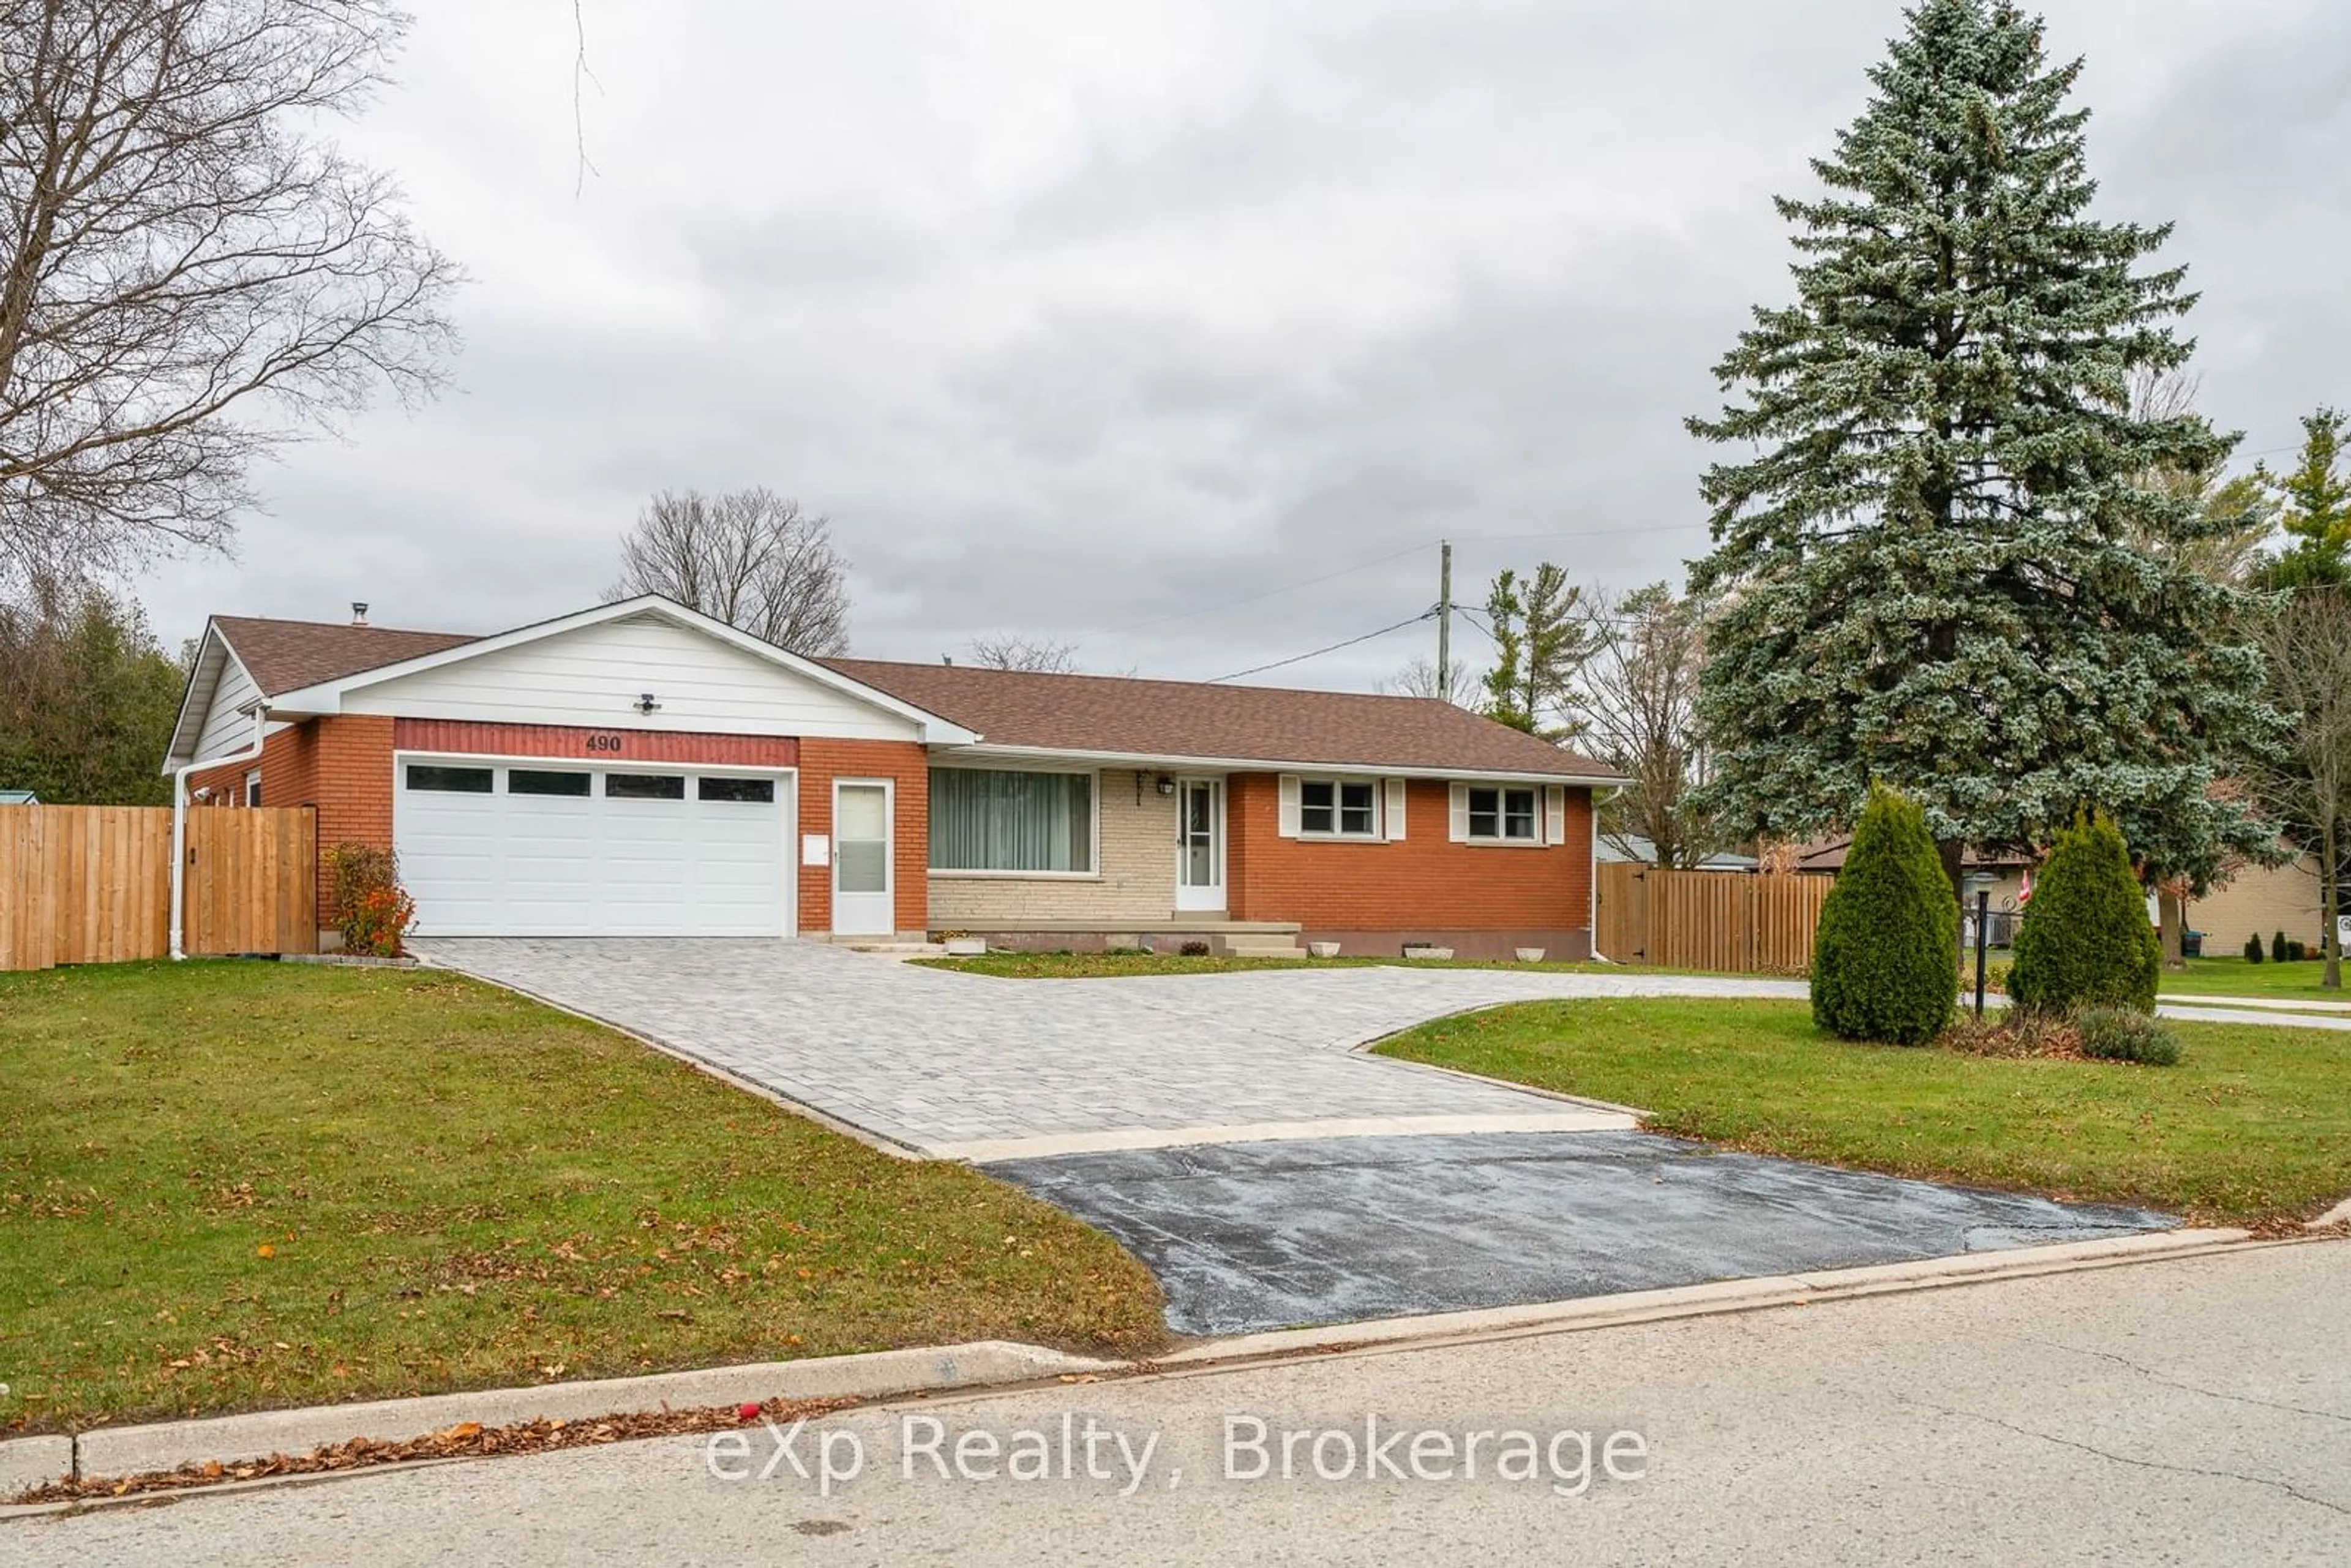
<point>992,820</point>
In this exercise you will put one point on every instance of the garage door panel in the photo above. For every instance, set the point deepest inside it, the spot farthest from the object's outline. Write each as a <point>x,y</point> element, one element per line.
<point>540,863</point>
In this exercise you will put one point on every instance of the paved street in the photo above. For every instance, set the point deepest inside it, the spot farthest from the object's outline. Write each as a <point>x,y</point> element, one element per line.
<point>2189,1412</point>
<point>968,1066</point>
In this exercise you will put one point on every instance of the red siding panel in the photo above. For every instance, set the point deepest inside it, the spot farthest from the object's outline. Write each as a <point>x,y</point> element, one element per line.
<point>470,737</point>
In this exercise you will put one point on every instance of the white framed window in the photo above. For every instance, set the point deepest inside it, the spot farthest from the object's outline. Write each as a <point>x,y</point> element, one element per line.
<point>1338,809</point>
<point>253,788</point>
<point>1012,822</point>
<point>1503,814</point>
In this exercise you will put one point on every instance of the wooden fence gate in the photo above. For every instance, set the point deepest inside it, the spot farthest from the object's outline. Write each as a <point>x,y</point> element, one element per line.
<point>1729,921</point>
<point>93,884</point>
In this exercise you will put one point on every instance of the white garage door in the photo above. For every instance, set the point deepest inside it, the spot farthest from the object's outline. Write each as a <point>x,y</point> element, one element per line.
<point>548,850</point>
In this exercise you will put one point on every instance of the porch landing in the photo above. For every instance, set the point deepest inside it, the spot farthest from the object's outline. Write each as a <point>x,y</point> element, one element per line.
<point>1252,938</point>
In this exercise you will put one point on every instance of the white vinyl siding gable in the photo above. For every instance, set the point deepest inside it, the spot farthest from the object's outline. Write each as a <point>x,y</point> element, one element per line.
<point>226,728</point>
<point>593,675</point>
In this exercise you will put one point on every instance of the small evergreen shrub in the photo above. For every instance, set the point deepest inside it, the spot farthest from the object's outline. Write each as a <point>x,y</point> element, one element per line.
<point>1193,950</point>
<point>2253,948</point>
<point>2118,1034</point>
<point>1882,958</point>
<point>2277,947</point>
<point>2295,952</point>
<point>2084,940</point>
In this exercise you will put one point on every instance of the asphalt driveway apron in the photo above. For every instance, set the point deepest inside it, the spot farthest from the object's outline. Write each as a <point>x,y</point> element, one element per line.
<point>1248,1236</point>
<point>1226,1129</point>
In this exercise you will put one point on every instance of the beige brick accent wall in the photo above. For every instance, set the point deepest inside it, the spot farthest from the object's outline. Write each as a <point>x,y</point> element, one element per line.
<point>1137,870</point>
<point>2260,900</point>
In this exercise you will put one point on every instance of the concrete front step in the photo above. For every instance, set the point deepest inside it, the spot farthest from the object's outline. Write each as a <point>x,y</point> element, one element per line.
<point>1261,947</point>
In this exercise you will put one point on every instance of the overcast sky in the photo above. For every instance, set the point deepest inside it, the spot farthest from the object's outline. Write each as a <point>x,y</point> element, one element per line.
<point>1084,320</point>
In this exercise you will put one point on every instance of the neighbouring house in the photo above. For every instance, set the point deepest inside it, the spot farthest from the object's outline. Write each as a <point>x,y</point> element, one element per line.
<point>18,798</point>
<point>2001,874</point>
<point>2261,901</point>
<point>641,769</point>
<point>1633,849</point>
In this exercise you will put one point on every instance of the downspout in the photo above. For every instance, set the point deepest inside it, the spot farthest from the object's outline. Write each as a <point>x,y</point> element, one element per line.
<point>1592,870</point>
<point>180,823</point>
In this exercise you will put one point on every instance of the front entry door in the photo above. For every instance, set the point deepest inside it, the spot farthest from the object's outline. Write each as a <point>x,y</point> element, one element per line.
<point>1199,843</point>
<point>862,905</point>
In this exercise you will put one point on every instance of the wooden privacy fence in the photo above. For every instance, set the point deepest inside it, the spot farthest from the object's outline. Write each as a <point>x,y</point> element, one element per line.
<point>93,884</point>
<point>1709,919</point>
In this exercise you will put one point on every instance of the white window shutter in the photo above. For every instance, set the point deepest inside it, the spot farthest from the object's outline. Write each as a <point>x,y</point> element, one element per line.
<point>1458,830</point>
<point>1395,788</point>
<point>1288,823</point>
<point>1555,814</point>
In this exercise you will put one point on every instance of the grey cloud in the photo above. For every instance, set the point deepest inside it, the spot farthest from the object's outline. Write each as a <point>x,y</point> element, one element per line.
<point>1075,320</point>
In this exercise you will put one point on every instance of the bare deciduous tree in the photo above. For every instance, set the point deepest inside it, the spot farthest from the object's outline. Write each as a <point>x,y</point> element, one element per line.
<point>2307,643</point>
<point>1038,656</point>
<point>189,275</point>
<point>1462,687</point>
<point>749,558</point>
<point>1639,710</point>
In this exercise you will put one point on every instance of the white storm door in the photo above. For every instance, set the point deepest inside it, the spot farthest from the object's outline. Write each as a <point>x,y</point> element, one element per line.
<point>861,902</point>
<point>1199,843</point>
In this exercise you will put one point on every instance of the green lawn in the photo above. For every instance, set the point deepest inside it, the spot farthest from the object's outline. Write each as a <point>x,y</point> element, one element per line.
<point>2254,1124</point>
<point>2235,978</point>
<point>235,1185</point>
<point>1112,965</point>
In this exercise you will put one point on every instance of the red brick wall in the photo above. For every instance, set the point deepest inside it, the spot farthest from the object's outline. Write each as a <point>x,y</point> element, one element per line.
<point>1424,884</point>
<point>822,762</point>
<point>568,740</point>
<point>342,765</point>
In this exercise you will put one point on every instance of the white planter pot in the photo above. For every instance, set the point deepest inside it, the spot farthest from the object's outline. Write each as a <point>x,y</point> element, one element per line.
<point>1323,949</point>
<point>1528,955</point>
<point>967,946</point>
<point>1417,952</point>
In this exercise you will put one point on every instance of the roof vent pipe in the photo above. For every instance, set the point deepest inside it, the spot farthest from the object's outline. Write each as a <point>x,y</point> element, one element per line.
<point>359,612</point>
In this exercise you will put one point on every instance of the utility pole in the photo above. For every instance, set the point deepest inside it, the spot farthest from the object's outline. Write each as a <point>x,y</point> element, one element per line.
<point>1445,619</point>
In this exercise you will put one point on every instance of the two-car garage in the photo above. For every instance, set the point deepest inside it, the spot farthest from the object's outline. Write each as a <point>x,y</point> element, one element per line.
<point>556,848</point>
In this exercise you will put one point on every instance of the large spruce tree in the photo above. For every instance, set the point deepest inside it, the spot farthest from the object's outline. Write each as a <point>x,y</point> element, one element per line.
<point>1941,568</point>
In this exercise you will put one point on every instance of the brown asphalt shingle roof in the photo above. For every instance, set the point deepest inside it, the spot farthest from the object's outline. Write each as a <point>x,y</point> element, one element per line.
<point>1188,718</point>
<point>1065,713</point>
<point>287,655</point>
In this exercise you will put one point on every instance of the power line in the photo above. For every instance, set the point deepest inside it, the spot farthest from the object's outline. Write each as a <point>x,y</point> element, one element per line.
<point>1379,560</point>
<point>1332,648</point>
<point>1252,599</point>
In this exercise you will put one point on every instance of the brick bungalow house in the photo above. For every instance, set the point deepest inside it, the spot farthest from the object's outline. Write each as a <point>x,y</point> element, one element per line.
<point>641,769</point>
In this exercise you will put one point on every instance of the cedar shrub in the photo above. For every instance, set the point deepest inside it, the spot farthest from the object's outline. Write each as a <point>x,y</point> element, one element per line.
<point>2085,940</point>
<point>1882,961</point>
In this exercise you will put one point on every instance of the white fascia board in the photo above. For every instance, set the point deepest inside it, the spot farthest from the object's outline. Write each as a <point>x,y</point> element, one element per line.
<point>1170,764</point>
<point>188,728</point>
<point>327,697</point>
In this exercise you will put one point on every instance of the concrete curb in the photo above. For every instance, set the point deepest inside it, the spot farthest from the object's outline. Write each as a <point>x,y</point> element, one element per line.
<point>2339,1215</point>
<point>168,1445</point>
<point>29,1462</point>
<point>2204,1013</point>
<point>2275,1004</point>
<point>1721,1296</point>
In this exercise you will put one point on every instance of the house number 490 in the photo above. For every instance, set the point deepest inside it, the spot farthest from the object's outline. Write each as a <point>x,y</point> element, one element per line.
<point>603,743</point>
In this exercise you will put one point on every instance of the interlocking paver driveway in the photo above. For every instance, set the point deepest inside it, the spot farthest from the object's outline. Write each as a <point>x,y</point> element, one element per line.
<point>974,1067</point>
